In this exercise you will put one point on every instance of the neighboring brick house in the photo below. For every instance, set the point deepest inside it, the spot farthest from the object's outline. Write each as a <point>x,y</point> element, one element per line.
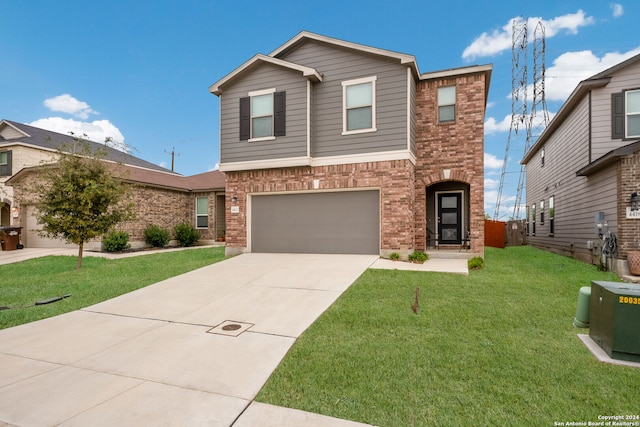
<point>161,197</point>
<point>334,147</point>
<point>583,173</point>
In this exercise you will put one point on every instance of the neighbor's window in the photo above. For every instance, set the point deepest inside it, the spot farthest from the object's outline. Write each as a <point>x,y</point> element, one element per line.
<point>632,104</point>
<point>528,220</point>
<point>5,163</point>
<point>262,115</point>
<point>551,216</point>
<point>446,104</point>
<point>541,212</point>
<point>202,212</point>
<point>359,106</point>
<point>533,219</point>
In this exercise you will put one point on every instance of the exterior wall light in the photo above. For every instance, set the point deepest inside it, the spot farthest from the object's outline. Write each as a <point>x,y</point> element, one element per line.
<point>634,201</point>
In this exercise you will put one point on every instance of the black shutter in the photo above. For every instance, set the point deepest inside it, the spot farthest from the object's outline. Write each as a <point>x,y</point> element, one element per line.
<point>245,118</point>
<point>279,116</point>
<point>5,170</point>
<point>617,115</point>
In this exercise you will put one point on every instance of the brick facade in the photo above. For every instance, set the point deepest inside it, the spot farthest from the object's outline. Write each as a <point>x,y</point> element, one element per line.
<point>393,178</point>
<point>451,152</point>
<point>447,154</point>
<point>153,205</point>
<point>628,183</point>
<point>167,208</point>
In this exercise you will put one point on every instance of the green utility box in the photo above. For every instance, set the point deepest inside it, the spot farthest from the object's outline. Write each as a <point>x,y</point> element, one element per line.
<point>614,318</point>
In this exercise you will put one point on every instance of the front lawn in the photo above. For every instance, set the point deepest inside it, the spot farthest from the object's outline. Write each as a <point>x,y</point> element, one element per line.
<point>497,347</point>
<point>24,283</point>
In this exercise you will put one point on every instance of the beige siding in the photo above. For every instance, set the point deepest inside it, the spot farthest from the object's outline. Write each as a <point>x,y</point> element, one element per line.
<point>576,199</point>
<point>627,78</point>
<point>23,157</point>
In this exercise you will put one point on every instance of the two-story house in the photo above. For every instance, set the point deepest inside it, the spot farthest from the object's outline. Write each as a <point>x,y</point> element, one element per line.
<point>583,172</point>
<point>330,146</point>
<point>161,197</point>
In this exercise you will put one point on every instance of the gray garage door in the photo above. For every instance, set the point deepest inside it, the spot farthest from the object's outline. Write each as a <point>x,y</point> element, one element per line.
<point>333,223</point>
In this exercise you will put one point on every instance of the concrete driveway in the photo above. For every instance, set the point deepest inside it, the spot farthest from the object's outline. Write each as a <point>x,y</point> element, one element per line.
<point>192,350</point>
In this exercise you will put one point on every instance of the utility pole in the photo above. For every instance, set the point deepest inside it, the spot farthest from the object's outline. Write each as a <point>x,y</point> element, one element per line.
<point>173,156</point>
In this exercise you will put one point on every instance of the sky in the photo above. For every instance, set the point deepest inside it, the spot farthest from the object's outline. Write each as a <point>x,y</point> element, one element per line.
<point>138,71</point>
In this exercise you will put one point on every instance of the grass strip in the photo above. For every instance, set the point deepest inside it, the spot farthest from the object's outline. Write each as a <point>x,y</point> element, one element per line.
<point>497,347</point>
<point>24,283</point>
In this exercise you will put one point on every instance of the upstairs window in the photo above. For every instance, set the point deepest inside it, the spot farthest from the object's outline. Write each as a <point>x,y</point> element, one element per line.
<point>446,104</point>
<point>359,106</point>
<point>202,212</point>
<point>5,163</point>
<point>632,104</point>
<point>262,115</point>
<point>625,114</point>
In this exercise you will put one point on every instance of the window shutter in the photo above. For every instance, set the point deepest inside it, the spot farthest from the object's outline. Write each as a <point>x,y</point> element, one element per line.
<point>279,116</point>
<point>245,118</point>
<point>617,115</point>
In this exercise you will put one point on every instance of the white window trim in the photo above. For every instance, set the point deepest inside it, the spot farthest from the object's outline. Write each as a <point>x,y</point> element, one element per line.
<point>347,83</point>
<point>259,93</point>
<point>201,215</point>
<point>626,114</point>
<point>455,103</point>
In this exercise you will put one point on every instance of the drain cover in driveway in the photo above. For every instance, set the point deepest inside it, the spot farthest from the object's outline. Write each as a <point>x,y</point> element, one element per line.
<point>230,328</point>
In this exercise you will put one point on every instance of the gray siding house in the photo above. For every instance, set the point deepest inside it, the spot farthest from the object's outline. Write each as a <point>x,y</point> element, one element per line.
<point>328,146</point>
<point>583,173</point>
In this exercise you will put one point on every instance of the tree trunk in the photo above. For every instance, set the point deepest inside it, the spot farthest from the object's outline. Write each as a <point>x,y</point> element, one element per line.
<point>79,264</point>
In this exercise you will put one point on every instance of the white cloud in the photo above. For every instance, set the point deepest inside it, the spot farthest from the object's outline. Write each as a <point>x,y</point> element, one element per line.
<point>66,103</point>
<point>499,40</point>
<point>571,68</point>
<point>96,131</point>
<point>491,183</point>
<point>492,162</point>
<point>618,10</point>
<point>491,126</point>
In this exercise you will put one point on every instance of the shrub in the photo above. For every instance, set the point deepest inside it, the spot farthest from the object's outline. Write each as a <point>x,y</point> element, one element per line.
<point>186,235</point>
<point>476,263</point>
<point>418,257</point>
<point>395,256</point>
<point>115,241</point>
<point>156,236</point>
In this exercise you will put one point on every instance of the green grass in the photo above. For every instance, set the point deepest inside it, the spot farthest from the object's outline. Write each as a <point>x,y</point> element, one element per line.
<point>497,347</point>
<point>24,283</point>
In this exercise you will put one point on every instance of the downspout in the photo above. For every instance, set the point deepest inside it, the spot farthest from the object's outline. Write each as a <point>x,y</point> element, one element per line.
<point>590,130</point>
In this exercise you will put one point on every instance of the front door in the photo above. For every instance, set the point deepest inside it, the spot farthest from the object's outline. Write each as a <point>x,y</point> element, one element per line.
<point>449,218</point>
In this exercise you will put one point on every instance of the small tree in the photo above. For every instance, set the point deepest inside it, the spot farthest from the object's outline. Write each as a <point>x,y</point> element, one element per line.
<point>80,198</point>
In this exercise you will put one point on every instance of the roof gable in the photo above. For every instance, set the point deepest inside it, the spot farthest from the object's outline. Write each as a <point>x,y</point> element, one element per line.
<point>247,67</point>
<point>10,131</point>
<point>582,89</point>
<point>305,36</point>
<point>53,141</point>
<point>278,57</point>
